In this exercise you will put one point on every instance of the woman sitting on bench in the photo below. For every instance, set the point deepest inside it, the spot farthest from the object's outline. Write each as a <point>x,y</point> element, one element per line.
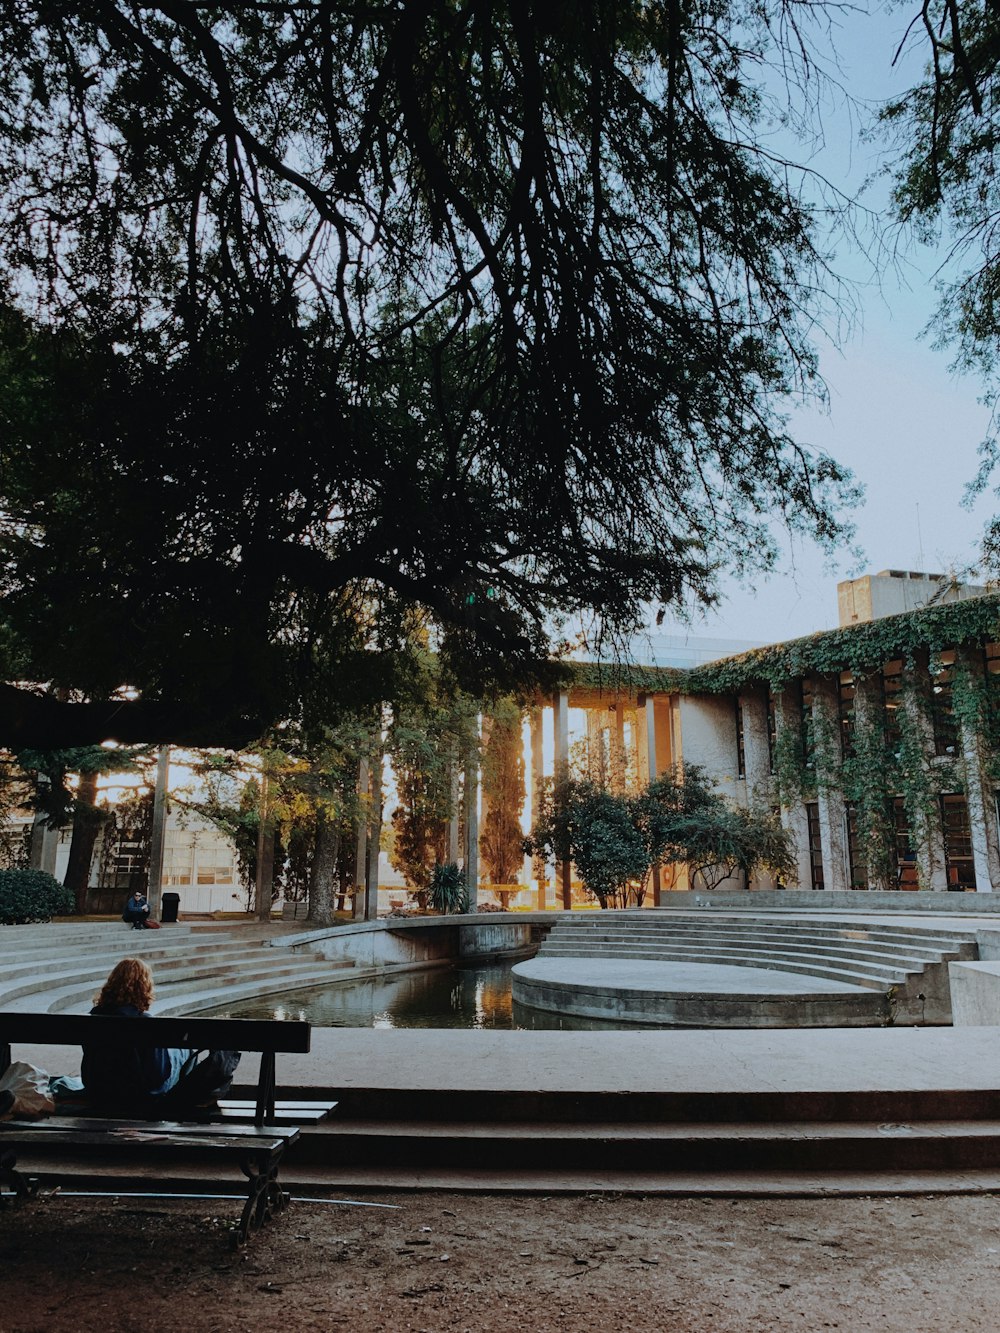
<point>157,1081</point>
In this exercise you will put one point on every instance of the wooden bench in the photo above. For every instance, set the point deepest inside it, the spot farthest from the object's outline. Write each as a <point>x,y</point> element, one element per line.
<point>257,1146</point>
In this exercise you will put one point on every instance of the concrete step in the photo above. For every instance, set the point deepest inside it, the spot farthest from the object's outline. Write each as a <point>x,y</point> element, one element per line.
<point>874,978</point>
<point>923,948</point>
<point>345,1180</point>
<point>874,963</point>
<point>803,940</point>
<point>653,1146</point>
<point>883,926</point>
<point>179,996</point>
<point>98,965</point>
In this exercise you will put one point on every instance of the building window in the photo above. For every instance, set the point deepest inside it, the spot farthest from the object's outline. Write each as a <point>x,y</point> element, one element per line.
<point>741,752</point>
<point>772,731</point>
<point>906,856</point>
<point>892,696</point>
<point>943,705</point>
<point>857,877</point>
<point>845,703</point>
<point>815,845</point>
<point>960,869</point>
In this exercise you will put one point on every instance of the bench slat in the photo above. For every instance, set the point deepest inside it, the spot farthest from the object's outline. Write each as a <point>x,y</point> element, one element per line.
<point>147,1140</point>
<point>69,1124</point>
<point>236,1034</point>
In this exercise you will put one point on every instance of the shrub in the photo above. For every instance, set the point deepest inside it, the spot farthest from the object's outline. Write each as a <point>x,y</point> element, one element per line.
<point>31,895</point>
<point>448,891</point>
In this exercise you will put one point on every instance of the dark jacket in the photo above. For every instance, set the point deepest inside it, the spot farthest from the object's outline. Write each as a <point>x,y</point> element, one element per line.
<point>136,909</point>
<point>125,1077</point>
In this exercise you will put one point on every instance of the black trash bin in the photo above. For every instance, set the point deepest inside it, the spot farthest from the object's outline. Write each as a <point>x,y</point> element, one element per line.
<point>170,902</point>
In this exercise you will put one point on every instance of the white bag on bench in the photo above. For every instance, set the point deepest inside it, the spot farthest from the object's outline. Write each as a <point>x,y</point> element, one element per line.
<point>30,1088</point>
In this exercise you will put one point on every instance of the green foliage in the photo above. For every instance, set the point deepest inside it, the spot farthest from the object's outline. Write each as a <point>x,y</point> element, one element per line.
<point>614,841</point>
<point>306,774</point>
<point>431,736</point>
<point>500,837</point>
<point>601,834</point>
<point>448,890</point>
<point>271,409</point>
<point>50,768</point>
<point>31,895</point>
<point>688,822</point>
<point>946,131</point>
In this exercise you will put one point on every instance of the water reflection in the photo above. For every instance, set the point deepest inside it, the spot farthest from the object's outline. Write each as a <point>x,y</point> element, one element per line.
<point>452,997</point>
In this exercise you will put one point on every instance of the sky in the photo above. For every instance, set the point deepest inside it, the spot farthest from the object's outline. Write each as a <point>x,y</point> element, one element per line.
<point>906,426</point>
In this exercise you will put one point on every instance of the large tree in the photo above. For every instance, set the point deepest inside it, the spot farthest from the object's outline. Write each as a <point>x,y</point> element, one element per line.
<point>324,317</point>
<point>947,135</point>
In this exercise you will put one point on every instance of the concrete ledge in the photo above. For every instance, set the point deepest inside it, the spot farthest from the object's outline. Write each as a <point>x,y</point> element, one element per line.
<point>975,993</point>
<point>824,900</point>
<point>698,994</point>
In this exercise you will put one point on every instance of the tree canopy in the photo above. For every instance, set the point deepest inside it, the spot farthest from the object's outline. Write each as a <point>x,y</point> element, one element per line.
<point>328,326</point>
<point>947,132</point>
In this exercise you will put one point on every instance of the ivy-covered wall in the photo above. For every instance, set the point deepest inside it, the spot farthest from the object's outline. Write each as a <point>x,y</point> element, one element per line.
<point>881,764</point>
<point>860,649</point>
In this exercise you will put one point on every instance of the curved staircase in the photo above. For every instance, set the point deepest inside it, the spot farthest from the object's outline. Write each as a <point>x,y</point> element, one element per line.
<point>871,973</point>
<point>53,968</point>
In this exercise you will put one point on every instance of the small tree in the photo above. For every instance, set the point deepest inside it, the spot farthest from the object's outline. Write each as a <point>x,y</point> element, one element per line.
<point>687,821</point>
<point>615,840</point>
<point>501,843</point>
<point>601,833</point>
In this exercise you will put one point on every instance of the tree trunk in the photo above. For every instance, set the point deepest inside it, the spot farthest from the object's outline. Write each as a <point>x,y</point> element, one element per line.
<point>323,881</point>
<point>87,820</point>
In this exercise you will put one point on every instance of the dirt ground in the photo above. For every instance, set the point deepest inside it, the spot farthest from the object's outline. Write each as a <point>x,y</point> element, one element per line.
<point>492,1263</point>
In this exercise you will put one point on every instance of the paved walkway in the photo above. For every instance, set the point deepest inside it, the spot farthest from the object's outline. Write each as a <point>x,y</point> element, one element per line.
<point>773,1060</point>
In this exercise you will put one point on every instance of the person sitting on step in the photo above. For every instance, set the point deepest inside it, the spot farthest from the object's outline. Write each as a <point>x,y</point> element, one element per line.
<point>136,911</point>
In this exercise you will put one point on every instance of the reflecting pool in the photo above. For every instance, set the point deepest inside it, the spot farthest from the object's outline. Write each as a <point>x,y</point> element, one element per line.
<point>450,997</point>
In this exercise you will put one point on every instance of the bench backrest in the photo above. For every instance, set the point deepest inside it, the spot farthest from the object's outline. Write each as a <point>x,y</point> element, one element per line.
<point>201,1034</point>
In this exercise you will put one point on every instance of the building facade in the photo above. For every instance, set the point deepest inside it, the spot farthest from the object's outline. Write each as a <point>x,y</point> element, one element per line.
<point>878,742</point>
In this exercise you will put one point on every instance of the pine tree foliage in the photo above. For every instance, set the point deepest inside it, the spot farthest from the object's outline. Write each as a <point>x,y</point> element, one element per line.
<point>322,316</point>
<point>501,841</point>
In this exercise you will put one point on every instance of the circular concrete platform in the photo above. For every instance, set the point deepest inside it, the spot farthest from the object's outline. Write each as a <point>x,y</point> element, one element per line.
<point>699,995</point>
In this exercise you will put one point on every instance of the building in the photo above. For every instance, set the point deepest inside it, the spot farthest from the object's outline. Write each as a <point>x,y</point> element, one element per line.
<point>878,741</point>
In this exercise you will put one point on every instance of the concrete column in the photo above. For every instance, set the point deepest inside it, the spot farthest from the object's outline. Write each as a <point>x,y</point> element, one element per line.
<point>596,768</point>
<point>756,754</point>
<point>633,759</point>
<point>788,716</point>
<point>374,835</point>
<point>617,749</point>
<point>359,904</point>
<point>869,708</point>
<point>646,717</point>
<point>265,853</point>
<point>454,842</point>
<point>978,791</point>
<point>471,824</point>
<point>829,793</point>
<point>44,842</point>
<point>564,869</point>
<point>537,785</point>
<point>485,733</point>
<point>926,832</point>
<point>154,890</point>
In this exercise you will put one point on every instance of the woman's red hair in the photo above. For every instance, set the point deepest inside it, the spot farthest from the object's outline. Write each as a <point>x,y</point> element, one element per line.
<point>130,982</point>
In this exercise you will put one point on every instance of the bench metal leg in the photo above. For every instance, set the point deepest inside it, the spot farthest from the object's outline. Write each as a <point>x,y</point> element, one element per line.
<point>23,1188</point>
<point>265,1196</point>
